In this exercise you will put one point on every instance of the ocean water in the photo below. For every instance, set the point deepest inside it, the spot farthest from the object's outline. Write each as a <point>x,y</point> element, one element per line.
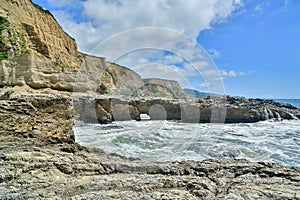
<point>171,140</point>
<point>294,102</point>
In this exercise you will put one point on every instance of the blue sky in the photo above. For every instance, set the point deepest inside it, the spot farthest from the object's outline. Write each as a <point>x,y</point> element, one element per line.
<point>254,44</point>
<point>263,40</point>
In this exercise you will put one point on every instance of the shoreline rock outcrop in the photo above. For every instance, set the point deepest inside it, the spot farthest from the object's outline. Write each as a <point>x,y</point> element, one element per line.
<point>45,57</point>
<point>94,109</point>
<point>35,169</point>
<point>42,116</point>
<point>39,157</point>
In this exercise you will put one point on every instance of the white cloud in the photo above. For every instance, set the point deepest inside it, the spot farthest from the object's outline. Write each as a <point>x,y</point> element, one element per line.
<point>259,8</point>
<point>164,72</point>
<point>197,68</point>
<point>141,57</point>
<point>204,85</point>
<point>109,17</point>
<point>231,74</point>
<point>180,21</point>
<point>172,59</point>
<point>214,53</point>
<point>215,74</point>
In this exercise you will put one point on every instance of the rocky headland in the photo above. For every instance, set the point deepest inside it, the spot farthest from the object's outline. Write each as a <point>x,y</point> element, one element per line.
<point>46,84</point>
<point>37,53</point>
<point>40,159</point>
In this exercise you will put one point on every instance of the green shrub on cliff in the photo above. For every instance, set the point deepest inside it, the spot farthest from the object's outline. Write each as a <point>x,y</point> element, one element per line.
<point>3,55</point>
<point>4,24</point>
<point>12,40</point>
<point>62,65</point>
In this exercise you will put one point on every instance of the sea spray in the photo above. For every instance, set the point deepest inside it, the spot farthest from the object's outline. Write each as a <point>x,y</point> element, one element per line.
<point>275,141</point>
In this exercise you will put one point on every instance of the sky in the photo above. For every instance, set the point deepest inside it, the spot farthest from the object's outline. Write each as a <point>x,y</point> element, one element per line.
<point>247,48</point>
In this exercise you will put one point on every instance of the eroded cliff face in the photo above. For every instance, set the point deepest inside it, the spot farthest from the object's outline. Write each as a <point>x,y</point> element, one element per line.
<point>34,49</point>
<point>42,116</point>
<point>162,88</point>
<point>26,26</point>
<point>36,52</point>
<point>102,77</point>
<point>39,157</point>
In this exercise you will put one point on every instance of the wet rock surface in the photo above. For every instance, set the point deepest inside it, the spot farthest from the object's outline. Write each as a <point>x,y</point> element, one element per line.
<point>35,169</point>
<point>40,159</point>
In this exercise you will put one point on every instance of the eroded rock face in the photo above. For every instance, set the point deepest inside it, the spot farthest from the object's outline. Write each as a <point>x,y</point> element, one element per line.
<point>39,31</point>
<point>126,82</point>
<point>44,56</point>
<point>39,159</point>
<point>36,52</point>
<point>74,172</point>
<point>204,110</point>
<point>161,88</point>
<point>47,117</point>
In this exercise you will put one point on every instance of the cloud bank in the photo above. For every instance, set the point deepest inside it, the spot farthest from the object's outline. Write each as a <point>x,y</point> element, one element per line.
<point>102,19</point>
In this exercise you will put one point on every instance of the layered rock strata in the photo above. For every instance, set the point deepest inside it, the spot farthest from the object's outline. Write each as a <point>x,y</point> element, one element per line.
<point>39,159</point>
<point>203,110</point>
<point>37,53</point>
<point>47,117</point>
<point>30,28</point>
<point>33,169</point>
<point>161,88</point>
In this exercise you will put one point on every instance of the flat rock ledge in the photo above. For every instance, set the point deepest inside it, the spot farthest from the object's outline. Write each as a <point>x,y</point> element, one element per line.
<point>35,169</point>
<point>39,159</point>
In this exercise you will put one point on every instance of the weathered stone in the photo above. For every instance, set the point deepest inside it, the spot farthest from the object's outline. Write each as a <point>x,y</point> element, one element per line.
<point>161,88</point>
<point>44,117</point>
<point>212,110</point>
<point>125,111</point>
<point>34,137</point>
<point>39,158</point>
<point>88,173</point>
<point>40,32</point>
<point>64,167</point>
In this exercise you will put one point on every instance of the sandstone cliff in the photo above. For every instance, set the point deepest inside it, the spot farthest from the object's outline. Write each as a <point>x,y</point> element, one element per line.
<point>36,52</point>
<point>99,76</point>
<point>161,88</point>
<point>27,27</point>
<point>34,49</point>
<point>39,157</point>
